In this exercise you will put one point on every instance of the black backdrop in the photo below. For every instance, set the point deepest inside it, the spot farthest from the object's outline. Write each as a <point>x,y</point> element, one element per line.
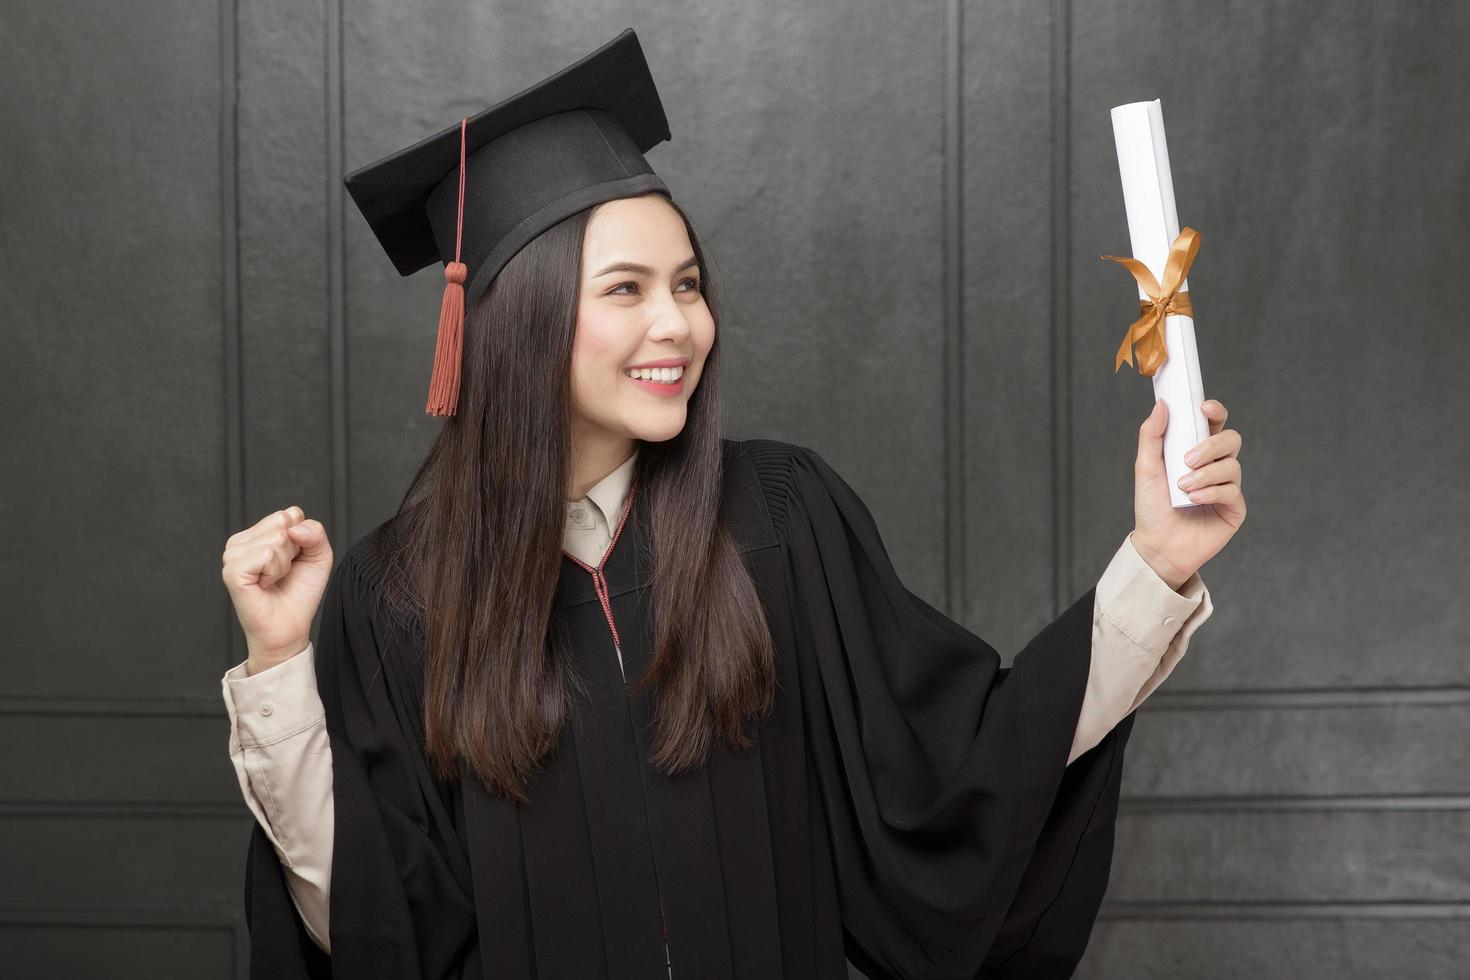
<point>906,203</point>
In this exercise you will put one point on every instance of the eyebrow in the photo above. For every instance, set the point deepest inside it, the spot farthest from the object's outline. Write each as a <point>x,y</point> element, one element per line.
<point>641,270</point>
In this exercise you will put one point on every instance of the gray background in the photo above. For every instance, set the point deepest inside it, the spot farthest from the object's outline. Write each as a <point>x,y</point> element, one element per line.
<point>906,203</point>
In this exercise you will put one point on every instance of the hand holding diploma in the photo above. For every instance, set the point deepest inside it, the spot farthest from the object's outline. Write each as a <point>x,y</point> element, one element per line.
<point>1176,541</point>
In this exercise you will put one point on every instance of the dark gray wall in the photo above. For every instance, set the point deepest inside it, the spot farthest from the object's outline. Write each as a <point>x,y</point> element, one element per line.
<point>906,203</point>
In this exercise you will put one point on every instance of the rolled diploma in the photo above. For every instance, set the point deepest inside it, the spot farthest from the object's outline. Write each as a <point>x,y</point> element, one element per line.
<point>1153,224</point>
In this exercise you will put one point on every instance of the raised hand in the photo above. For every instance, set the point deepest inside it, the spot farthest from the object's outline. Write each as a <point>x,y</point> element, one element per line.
<point>276,573</point>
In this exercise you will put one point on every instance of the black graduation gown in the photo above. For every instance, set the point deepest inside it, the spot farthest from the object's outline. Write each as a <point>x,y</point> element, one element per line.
<point>908,805</point>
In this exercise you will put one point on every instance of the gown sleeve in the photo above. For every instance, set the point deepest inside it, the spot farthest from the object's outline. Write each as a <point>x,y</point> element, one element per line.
<point>963,843</point>
<point>398,909</point>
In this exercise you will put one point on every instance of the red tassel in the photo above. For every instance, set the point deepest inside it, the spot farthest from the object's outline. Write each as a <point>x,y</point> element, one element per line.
<point>444,384</point>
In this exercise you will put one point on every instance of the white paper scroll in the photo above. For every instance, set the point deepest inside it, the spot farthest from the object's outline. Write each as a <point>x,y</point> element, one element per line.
<point>1153,224</point>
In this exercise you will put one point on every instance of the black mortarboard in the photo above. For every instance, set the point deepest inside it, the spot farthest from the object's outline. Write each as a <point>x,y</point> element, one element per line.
<point>474,194</point>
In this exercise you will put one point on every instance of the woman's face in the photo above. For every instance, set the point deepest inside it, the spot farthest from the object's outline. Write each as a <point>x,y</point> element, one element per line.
<point>641,305</point>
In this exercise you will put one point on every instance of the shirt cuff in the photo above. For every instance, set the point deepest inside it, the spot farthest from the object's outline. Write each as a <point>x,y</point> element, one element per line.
<point>274,704</point>
<point>1135,613</point>
<point>1141,604</point>
<point>1177,647</point>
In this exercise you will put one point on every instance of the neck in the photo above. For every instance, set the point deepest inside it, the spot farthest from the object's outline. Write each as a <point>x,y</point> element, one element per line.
<point>594,457</point>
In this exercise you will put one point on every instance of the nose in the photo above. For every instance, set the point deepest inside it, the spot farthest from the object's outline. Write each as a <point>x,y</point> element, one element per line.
<point>669,321</point>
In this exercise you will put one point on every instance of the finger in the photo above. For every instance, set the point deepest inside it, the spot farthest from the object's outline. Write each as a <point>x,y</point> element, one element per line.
<point>1151,439</point>
<point>1224,443</point>
<point>1216,413</point>
<point>269,528</point>
<point>274,567</point>
<point>1226,470</point>
<point>275,521</point>
<point>311,538</point>
<point>1227,495</point>
<point>252,566</point>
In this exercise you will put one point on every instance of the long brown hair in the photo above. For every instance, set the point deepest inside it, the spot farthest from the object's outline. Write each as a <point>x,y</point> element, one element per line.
<point>479,532</point>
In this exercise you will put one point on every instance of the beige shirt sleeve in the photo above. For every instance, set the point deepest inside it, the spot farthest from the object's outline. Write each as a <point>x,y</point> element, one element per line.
<point>283,759</point>
<point>1140,630</point>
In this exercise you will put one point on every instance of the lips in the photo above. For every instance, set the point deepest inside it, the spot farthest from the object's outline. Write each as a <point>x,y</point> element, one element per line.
<point>660,388</point>
<point>665,362</point>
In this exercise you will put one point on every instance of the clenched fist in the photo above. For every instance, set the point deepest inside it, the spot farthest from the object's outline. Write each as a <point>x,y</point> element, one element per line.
<point>276,573</point>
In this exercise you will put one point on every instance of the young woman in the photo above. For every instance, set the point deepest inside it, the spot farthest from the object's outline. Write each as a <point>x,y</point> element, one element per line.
<point>613,696</point>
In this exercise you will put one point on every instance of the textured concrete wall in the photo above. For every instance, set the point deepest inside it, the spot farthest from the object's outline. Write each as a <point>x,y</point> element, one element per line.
<point>905,203</point>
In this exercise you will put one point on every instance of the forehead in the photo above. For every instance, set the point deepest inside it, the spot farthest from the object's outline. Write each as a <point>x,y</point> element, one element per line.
<point>638,229</point>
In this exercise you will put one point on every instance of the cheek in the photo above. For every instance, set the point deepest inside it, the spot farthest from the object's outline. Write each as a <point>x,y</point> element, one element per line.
<point>597,338</point>
<point>703,331</point>
<point>600,347</point>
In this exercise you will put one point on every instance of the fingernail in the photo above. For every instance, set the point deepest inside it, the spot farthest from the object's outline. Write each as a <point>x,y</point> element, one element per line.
<point>1191,457</point>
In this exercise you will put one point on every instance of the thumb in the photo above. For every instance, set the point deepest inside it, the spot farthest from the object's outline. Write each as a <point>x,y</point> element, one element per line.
<point>1151,438</point>
<point>311,536</point>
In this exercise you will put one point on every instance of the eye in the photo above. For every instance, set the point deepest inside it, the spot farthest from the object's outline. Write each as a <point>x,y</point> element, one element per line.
<point>617,290</point>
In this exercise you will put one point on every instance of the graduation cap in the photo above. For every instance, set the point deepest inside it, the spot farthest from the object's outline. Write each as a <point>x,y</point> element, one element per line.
<point>473,195</point>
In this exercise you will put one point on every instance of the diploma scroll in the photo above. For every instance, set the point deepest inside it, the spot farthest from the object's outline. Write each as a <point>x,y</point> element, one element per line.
<point>1153,227</point>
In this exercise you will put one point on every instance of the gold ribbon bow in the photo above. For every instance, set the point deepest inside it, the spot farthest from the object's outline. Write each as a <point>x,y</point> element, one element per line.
<point>1164,300</point>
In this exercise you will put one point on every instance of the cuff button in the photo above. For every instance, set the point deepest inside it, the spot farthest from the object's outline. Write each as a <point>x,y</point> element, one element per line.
<point>265,708</point>
<point>1168,623</point>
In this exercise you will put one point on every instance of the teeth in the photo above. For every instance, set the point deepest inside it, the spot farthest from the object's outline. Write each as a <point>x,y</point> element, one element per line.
<point>660,375</point>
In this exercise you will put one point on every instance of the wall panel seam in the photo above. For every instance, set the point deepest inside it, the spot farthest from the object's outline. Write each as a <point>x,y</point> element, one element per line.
<point>337,272</point>
<point>1061,314</point>
<point>230,314</point>
<point>956,572</point>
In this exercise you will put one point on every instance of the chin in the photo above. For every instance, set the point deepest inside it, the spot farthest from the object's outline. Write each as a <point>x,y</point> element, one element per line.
<point>659,429</point>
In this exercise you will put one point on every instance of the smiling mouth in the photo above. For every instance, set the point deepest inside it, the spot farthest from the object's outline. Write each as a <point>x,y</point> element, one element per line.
<point>661,376</point>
